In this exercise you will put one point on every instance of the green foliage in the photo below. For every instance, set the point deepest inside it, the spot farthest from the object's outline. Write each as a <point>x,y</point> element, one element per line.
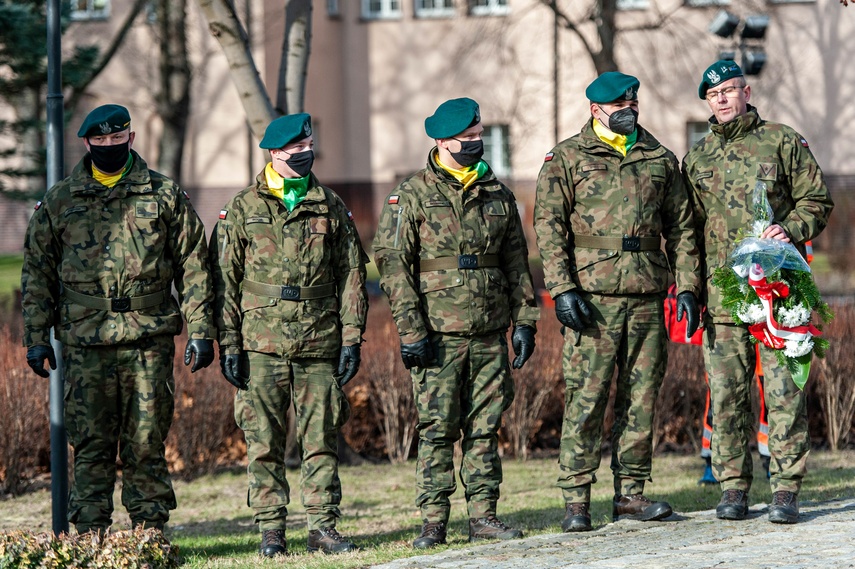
<point>138,548</point>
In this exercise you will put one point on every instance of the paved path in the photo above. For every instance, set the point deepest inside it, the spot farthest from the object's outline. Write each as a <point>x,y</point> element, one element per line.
<point>824,538</point>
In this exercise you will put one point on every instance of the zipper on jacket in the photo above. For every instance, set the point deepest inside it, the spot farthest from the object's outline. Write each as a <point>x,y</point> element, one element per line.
<point>398,226</point>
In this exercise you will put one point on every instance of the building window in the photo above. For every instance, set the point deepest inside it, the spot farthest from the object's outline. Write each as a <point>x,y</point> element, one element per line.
<point>381,9</point>
<point>488,7</point>
<point>696,131</point>
<point>434,8</point>
<point>632,4</point>
<point>333,9</point>
<point>90,9</point>
<point>497,148</point>
<point>697,3</point>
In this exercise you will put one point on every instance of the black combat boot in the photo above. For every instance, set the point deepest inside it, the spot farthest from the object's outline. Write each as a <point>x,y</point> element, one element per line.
<point>273,542</point>
<point>328,540</point>
<point>784,508</point>
<point>433,534</point>
<point>577,517</point>
<point>733,505</point>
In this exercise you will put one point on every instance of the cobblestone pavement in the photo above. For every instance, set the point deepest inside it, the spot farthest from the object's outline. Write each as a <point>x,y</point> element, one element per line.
<point>823,538</point>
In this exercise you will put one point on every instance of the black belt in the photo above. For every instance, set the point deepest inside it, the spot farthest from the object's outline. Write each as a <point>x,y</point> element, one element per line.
<point>286,292</point>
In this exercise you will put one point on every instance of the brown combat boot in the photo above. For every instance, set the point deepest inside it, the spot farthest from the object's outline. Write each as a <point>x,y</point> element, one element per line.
<point>639,507</point>
<point>273,542</point>
<point>433,534</point>
<point>491,527</point>
<point>577,517</point>
<point>328,540</point>
<point>784,508</point>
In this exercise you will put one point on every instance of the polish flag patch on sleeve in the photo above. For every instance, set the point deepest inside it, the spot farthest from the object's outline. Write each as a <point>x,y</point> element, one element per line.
<point>223,214</point>
<point>393,200</point>
<point>186,195</point>
<point>549,156</point>
<point>38,205</point>
<point>804,143</point>
<point>350,215</point>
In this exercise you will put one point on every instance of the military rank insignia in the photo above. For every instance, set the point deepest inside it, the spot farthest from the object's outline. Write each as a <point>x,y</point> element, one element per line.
<point>223,214</point>
<point>393,200</point>
<point>549,156</point>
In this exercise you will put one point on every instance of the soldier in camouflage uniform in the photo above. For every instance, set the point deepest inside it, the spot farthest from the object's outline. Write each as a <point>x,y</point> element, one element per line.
<point>289,276</point>
<point>605,199</point>
<point>101,255</point>
<point>454,263</point>
<point>721,172</point>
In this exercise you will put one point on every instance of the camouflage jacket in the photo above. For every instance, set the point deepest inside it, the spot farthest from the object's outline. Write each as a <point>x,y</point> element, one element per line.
<point>137,238</point>
<point>258,239</point>
<point>586,187</point>
<point>721,171</point>
<point>429,216</point>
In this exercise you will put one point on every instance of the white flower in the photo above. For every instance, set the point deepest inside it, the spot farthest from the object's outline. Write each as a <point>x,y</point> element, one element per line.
<point>751,313</point>
<point>795,316</point>
<point>795,349</point>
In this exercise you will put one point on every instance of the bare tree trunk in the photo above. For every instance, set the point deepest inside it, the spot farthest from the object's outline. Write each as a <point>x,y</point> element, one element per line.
<point>173,97</point>
<point>224,25</point>
<point>296,46</point>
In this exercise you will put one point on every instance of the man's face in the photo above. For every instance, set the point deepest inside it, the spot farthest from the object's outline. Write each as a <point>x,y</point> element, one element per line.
<point>602,111</point>
<point>729,100</point>
<point>121,137</point>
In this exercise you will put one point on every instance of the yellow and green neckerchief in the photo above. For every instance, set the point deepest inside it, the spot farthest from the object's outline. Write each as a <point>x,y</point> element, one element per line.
<point>619,142</point>
<point>466,175</point>
<point>290,190</point>
<point>110,180</point>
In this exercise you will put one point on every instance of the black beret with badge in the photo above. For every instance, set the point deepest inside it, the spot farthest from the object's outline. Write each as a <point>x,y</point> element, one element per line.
<point>718,72</point>
<point>613,86</point>
<point>285,130</point>
<point>105,119</point>
<point>453,117</point>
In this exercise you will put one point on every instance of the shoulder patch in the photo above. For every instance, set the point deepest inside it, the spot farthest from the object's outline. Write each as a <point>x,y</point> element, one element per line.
<point>223,214</point>
<point>549,156</point>
<point>186,195</point>
<point>350,215</point>
<point>804,143</point>
<point>393,200</point>
<point>38,205</point>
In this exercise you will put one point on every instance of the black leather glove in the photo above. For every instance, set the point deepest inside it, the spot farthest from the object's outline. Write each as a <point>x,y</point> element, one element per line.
<point>204,350</point>
<point>523,342</point>
<point>230,366</point>
<point>687,304</point>
<point>348,364</point>
<point>572,310</point>
<point>36,359</point>
<point>420,354</point>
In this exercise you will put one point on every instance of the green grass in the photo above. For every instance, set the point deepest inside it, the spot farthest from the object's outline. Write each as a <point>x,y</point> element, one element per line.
<point>213,526</point>
<point>10,273</point>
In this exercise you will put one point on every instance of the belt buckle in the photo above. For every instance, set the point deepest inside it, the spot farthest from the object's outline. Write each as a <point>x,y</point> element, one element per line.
<point>121,304</point>
<point>467,262</point>
<point>631,244</point>
<point>289,293</point>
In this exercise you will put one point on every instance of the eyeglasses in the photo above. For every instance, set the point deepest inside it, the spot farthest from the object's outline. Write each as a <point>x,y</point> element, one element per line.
<point>727,92</point>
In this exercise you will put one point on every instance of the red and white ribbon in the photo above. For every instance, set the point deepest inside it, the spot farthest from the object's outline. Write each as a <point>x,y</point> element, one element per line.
<point>773,334</point>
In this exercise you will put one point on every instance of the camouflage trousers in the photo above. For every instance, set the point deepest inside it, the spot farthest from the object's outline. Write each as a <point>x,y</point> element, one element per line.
<point>321,408</point>
<point>464,392</point>
<point>628,334</point>
<point>120,398</point>
<point>730,357</point>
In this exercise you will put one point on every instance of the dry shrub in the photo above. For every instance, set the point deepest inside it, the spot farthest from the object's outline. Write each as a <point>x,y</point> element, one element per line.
<point>680,406</point>
<point>204,434</point>
<point>24,416</point>
<point>834,375</point>
<point>533,385</point>
<point>390,389</point>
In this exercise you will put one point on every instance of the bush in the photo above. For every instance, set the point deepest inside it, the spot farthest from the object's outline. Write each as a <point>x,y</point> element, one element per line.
<point>135,549</point>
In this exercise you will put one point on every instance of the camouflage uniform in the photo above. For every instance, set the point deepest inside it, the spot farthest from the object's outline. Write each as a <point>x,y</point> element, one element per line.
<point>289,347</point>
<point>135,239</point>
<point>587,188</point>
<point>465,313</point>
<point>721,171</point>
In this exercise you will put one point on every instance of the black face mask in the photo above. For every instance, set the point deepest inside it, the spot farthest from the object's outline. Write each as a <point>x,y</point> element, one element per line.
<point>111,158</point>
<point>470,153</point>
<point>301,162</point>
<point>622,121</point>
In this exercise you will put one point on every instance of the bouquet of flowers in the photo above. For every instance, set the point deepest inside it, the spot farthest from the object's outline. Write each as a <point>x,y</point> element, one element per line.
<point>769,287</point>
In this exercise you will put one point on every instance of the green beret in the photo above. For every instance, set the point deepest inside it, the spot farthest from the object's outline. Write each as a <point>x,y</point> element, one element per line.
<point>286,130</point>
<point>452,117</point>
<point>613,86</point>
<point>718,72</point>
<point>105,119</point>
